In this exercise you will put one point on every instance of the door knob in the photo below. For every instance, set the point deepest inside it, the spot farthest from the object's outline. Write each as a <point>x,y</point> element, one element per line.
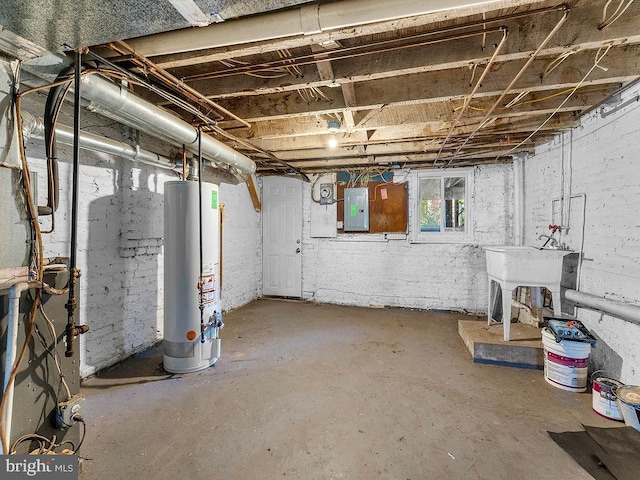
<point>297,250</point>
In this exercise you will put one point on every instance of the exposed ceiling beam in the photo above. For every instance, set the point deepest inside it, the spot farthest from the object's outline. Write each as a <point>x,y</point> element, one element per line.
<point>623,66</point>
<point>580,33</point>
<point>349,95</point>
<point>499,133</point>
<point>398,147</point>
<point>300,136</point>
<point>491,154</point>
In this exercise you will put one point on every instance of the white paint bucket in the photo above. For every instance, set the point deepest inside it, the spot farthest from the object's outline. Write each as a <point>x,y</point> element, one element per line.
<point>565,362</point>
<point>603,396</point>
<point>628,397</point>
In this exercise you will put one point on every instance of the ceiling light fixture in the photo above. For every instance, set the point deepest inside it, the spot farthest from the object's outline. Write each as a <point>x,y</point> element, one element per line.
<point>333,126</point>
<point>191,12</point>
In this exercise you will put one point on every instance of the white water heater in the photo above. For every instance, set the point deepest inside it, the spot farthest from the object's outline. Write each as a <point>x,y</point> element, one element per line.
<point>191,282</point>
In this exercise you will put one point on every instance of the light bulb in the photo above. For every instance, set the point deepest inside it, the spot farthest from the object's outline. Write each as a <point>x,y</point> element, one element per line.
<point>333,141</point>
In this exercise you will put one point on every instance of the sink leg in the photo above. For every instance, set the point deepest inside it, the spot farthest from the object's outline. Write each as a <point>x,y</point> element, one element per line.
<point>557,303</point>
<point>506,313</point>
<point>490,308</point>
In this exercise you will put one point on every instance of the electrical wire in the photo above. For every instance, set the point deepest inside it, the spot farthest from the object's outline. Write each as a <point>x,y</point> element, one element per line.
<point>35,437</point>
<point>473,67</point>
<point>56,355</point>
<point>467,100</point>
<point>79,419</point>
<point>516,100</point>
<point>312,188</point>
<point>615,15</point>
<point>529,61</point>
<point>386,45</point>
<point>558,60</point>
<point>48,446</point>
<point>596,64</point>
<point>511,104</point>
<point>36,259</point>
<point>277,72</point>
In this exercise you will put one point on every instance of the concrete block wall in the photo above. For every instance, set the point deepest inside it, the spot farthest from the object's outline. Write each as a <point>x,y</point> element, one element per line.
<point>120,250</point>
<point>366,270</point>
<point>600,160</point>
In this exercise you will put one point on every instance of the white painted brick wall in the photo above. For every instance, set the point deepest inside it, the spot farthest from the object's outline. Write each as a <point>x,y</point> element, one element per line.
<point>403,274</point>
<point>120,250</point>
<point>242,247</point>
<point>599,159</point>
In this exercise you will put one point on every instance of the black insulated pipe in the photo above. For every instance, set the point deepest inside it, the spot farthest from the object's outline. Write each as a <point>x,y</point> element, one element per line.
<point>72,330</point>
<point>55,98</point>
<point>201,305</point>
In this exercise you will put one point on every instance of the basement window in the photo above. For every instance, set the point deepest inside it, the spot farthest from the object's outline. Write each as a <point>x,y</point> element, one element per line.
<point>442,206</point>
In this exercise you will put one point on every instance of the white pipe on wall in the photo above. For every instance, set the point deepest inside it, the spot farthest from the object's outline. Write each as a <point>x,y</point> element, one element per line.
<point>306,20</point>
<point>518,193</point>
<point>626,311</point>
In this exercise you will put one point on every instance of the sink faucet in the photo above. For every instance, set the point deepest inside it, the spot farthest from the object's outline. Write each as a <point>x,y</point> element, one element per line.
<point>550,239</point>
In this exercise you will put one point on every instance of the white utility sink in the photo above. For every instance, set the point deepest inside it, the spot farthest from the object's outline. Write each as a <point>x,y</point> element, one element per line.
<point>514,266</point>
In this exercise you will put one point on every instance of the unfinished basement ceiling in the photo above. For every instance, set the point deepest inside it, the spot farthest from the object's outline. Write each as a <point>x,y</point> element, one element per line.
<point>450,88</point>
<point>60,25</point>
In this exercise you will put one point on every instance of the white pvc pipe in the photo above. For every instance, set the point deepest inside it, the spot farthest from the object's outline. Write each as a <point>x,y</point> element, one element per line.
<point>10,355</point>
<point>306,20</point>
<point>626,311</point>
<point>584,222</point>
<point>518,193</point>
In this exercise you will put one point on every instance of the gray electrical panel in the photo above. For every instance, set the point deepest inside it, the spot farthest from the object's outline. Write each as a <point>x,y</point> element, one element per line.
<point>356,209</point>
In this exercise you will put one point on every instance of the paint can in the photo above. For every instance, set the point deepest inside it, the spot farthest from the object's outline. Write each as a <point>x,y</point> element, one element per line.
<point>565,362</point>
<point>628,397</point>
<point>604,400</point>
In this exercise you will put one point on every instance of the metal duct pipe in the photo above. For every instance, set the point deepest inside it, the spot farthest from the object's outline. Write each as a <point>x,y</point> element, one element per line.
<point>118,103</point>
<point>33,127</point>
<point>623,310</point>
<point>306,20</point>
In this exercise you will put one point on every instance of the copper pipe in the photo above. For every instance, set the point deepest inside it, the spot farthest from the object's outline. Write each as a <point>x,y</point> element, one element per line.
<point>122,74</point>
<point>529,61</point>
<point>467,100</point>
<point>167,81</point>
<point>184,162</point>
<point>172,81</point>
<point>270,155</point>
<point>344,52</point>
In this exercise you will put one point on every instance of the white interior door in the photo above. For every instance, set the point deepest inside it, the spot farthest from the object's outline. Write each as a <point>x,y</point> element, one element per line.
<point>281,236</point>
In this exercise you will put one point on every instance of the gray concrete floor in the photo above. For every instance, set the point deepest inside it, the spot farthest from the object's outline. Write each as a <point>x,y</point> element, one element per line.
<point>329,392</point>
